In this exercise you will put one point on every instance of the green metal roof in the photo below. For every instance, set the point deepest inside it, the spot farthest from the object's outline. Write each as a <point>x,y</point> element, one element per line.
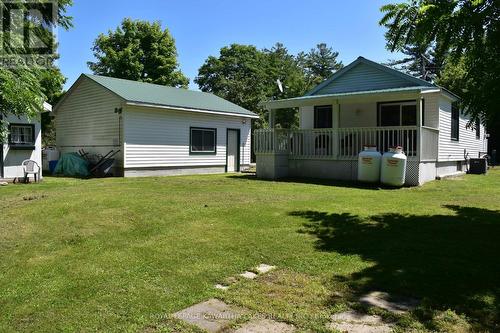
<point>153,94</point>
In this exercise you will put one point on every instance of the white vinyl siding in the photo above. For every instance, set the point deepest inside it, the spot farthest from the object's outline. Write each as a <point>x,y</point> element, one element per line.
<point>358,114</point>
<point>306,117</point>
<point>364,77</point>
<point>14,157</point>
<point>87,119</point>
<point>452,150</point>
<point>431,109</point>
<point>155,138</point>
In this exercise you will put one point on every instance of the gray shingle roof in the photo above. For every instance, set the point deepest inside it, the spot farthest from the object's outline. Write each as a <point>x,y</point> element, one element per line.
<point>147,93</point>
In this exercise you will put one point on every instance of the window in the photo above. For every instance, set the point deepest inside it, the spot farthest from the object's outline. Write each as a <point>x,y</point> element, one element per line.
<point>203,140</point>
<point>21,134</point>
<point>455,116</point>
<point>323,116</point>
<point>408,115</point>
<point>478,129</point>
<point>398,114</point>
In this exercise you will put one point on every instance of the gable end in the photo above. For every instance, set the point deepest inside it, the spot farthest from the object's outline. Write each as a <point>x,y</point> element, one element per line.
<point>366,75</point>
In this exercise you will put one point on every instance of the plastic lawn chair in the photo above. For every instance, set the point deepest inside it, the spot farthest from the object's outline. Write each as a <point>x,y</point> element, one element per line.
<point>30,167</point>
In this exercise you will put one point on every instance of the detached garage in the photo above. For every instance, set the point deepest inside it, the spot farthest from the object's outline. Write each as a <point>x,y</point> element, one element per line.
<point>159,130</point>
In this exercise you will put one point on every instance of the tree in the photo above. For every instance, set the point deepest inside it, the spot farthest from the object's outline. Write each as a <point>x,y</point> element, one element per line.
<point>24,87</point>
<point>248,77</point>
<point>52,83</point>
<point>419,61</point>
<point>319,63</point>
<point>468,30</point>
<point>139,51</point>
<point>282,66</point>
<point>238,75</point>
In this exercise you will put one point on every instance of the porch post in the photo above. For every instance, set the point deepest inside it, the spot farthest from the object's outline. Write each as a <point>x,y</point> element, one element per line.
<point>271,118</point>
<point>419,111</point>
<point>336,125</point>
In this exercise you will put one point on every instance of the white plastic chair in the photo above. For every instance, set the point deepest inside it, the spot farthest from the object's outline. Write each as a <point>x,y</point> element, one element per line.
<point>30,167</point>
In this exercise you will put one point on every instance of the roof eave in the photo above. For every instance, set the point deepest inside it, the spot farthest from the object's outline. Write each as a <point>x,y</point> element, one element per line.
<point>318,99</point>
<point>47,107</point>
<point>178,108</point>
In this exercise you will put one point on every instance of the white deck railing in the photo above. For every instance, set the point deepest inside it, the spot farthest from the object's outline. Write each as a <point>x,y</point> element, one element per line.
<point>346,143</point>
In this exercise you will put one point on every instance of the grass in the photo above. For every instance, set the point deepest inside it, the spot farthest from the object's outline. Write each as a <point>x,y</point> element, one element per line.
<point>120,255</point>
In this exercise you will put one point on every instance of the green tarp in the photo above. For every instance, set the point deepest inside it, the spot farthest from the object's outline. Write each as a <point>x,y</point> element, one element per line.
<point>72,164</point>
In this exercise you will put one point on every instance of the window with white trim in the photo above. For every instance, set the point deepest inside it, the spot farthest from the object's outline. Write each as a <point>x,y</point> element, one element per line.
<point>203,140</point>
<point>21,135</point>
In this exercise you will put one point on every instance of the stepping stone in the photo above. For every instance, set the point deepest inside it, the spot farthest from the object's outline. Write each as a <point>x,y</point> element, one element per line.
<point>263,268</point>
<point>249,275</point>
<point>355,322</point>
<point>212,315</point>
<point>265,326</point>
<point>221,287</point>
<point>381,300</point>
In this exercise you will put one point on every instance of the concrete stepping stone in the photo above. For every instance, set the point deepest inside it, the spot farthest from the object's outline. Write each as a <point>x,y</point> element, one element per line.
<point>263,268</point>
<point>212,315</point>
<point>249,275</point>
<point>221,286</point>
<point>265,326</point>
<point>356,322</point>
<point>381,300</point>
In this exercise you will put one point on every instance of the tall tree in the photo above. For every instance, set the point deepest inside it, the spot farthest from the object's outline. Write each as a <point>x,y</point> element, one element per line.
<point>248,76</point>
<point>419,61</point>
<point>139,51</point>
<point>285,67</point>
<point>238,75</point>
<point>25,86</point>
<point>319,63</point>
<point>468,30</point>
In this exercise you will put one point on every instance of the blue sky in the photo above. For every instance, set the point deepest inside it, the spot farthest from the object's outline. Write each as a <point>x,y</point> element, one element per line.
<point>201,28</point>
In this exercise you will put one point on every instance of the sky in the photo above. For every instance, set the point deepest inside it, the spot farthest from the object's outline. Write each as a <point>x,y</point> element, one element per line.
<point>201,28</point>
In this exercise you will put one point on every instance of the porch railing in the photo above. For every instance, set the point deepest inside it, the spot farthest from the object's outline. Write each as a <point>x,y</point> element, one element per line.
<point>346,143</point>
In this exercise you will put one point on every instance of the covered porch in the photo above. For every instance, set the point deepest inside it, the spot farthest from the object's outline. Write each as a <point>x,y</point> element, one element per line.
<point>419,143</point>
<point>334,128</point>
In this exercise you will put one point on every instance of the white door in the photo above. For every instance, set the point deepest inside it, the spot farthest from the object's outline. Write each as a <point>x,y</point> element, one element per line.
<point>232,150</point>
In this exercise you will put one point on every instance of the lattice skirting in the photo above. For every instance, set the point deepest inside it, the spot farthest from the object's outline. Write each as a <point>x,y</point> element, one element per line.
<point>412,173</point>
<point>341,170</point>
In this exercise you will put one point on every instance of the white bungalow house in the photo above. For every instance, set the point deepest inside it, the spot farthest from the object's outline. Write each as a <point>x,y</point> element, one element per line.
<point>158,130</point>
<point>24,142</point>
<point>366,103</point>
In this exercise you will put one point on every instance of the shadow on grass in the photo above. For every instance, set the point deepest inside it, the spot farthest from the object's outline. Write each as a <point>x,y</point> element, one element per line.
<point>450,261</point>
<point>314,181</point>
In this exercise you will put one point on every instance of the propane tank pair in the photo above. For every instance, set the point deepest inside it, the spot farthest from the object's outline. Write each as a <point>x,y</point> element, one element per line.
<point>389,168</point>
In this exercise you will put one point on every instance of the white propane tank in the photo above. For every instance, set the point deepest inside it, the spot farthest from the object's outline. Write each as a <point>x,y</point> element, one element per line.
<point>369,164</point>
<point>393,169</point>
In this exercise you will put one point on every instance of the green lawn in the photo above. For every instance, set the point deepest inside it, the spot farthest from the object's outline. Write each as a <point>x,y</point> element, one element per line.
<point>122,254</point>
